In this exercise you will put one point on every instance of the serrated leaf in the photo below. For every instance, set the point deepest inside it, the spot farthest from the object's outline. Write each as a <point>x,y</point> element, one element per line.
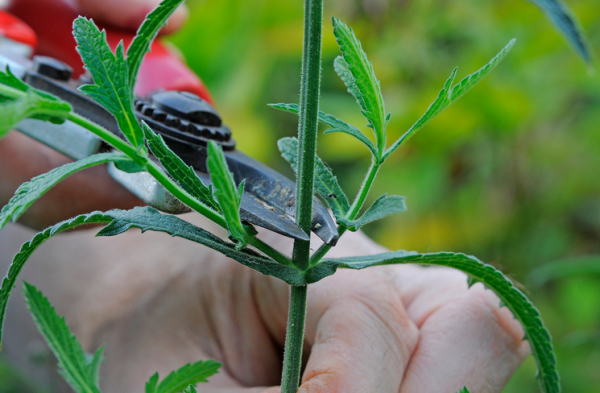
<point>190,389</point>
<point>188,375</point>
<point>9,79</point>
<point>357,72</point>
<point>31,105</point>
<point>382,207</point>
<point>184,174</point>
<point>537,334</point>
<point>28,103</point>
<point>34,189</point>
<point>152,384</point>
<point>94,366</point>
<point>325,183</point>
<point>226,193</point>
<point>140,45</point>
<point>146,219</point>
<point>336,125</point>
<point>111,77</point>
<point>567,24</point>
<point>448,95</point>
<point>71,358</point>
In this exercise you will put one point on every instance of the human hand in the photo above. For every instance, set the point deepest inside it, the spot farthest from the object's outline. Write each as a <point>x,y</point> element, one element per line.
<point>159,302</point>
<point>22,158</point>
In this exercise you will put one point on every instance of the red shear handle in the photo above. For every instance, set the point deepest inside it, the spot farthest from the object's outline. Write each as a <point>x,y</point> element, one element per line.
<point>52,20</point>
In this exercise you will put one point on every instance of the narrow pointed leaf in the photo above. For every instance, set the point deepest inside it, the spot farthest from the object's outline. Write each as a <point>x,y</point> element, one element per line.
<point>140,45</point>
<point>146,219</point>
<point>384,206</point>
<point>567,24</point>
<point>226,192</point>
<point>71,358</point>
<point>190,374</point>
<point>111,86</point>
<point>448,95</point>
<point>325,183</point>
<point>9,79</point>
<point>152,384</point>
<point>464,390</point>
<point>31,105</point>
<point>363,84</point>
<point>336,125</point>
<point>31,191</point>
<point>537,334</point>
<point>179,170</point>
<point>190,389</point>
<point>94,366</point>
<point>583,265</point>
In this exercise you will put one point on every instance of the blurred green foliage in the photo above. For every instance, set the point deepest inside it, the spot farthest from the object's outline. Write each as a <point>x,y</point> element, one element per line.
<point>510,173</point>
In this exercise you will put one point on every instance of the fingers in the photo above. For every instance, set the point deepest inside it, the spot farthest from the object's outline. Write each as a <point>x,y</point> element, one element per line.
<point>465,341</point>
<point>361,336</point>
<point>130,14</point>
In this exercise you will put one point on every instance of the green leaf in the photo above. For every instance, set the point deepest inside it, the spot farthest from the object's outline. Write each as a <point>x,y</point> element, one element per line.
<point>382,207</point>
<point>31,105</point>
<point>187,376</point>
<point>357,72</point>
<point>568,267</point>
<point>448,95</point>
<point>140,45</point>
<point>111,77</point>
<point>94,366</point>
<point>190,389</point>
<point>10,80</point>
<point>464,390</point>
<point>152,384</point>
<point>71,359</point>
<point>537,334</point>
<point>184,174</point>
<point>226,192</point>
<point>336,125</point>
<point>325,183</point>
<point>567,24</point>
<point>28,102</point>
<point>146,219</point>
<point>31,191</point>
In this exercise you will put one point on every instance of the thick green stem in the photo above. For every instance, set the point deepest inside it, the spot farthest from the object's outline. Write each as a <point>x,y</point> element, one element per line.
<point>310,90</point>
<point>294,340</point>
<point>309,111</point>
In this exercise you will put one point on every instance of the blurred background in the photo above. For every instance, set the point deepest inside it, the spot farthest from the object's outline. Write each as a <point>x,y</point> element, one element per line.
<point>510,174</point>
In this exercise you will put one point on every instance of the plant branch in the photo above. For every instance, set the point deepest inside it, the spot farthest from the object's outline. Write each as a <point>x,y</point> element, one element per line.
<point>269,251</point>
<point>310,90</point>
<point>294,340</point>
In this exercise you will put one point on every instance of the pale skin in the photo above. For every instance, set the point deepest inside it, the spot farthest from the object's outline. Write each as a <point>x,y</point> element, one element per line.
<point>159,302</point>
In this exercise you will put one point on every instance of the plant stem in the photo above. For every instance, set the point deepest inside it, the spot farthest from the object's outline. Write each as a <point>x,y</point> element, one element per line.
<point>310,90</point>
<point>364,190</point>
<point>309,111</point>
<point>294,340</point>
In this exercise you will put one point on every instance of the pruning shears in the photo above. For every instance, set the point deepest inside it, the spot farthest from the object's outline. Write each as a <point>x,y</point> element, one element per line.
<point>170,99</point>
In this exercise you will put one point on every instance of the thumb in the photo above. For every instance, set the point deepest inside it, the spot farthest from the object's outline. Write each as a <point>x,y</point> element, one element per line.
<point>129,14</point>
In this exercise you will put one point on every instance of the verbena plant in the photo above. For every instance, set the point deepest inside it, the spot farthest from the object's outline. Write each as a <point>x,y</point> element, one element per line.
<point>114,75</point>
